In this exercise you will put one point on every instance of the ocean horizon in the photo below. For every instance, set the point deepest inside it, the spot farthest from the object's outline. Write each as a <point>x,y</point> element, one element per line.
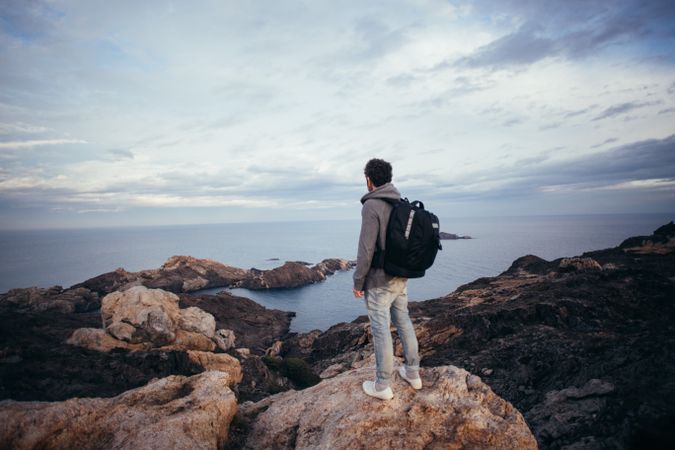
<point>47,257</point>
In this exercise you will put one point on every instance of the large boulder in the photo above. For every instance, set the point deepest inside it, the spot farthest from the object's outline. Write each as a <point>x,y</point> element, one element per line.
<point>218,361</point>
<point>98,339</point>
<point>198,321</point>
<point>454,409</point>
<point>176,412</point>
<point>140,314</point>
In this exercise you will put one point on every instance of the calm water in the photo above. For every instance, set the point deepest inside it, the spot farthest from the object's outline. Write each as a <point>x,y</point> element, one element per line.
<point>65,257</point>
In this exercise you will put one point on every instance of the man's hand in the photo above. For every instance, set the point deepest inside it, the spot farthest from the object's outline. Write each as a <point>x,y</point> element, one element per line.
<point>357,294</point>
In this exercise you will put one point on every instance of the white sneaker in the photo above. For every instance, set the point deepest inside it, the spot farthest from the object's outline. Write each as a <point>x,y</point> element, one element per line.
<point>369,388</point>
<point>416,383</point>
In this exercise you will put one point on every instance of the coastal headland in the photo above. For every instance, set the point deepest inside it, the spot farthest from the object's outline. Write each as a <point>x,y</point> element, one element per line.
<point>570,353</point>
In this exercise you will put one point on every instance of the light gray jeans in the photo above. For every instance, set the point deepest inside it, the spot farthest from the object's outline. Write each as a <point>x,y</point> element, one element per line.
<point>388,304</point>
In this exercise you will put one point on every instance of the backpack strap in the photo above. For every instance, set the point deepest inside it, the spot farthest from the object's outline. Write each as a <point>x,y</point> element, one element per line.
<point>378,256</point>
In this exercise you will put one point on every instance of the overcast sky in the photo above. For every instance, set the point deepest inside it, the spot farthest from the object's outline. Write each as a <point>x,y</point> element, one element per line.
<point>161,112</point>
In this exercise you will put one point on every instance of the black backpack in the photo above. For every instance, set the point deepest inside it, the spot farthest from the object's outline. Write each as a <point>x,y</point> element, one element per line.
<point>412,241</point>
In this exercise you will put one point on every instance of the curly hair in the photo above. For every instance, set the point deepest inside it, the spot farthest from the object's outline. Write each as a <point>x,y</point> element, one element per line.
<point>379,171</point>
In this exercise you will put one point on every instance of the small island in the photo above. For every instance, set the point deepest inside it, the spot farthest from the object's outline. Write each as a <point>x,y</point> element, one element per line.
<point>451,236</point>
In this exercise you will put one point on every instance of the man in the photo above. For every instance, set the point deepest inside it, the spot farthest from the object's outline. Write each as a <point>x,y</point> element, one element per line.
<point>386,297</point>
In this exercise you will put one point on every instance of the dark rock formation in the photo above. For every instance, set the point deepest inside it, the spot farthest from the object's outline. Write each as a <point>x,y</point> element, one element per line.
<point>292,274</point>
<point>54,298</point>
<point>254,326</point>
<point>582,346</point>
<point>452,236</point>
<point>37,363</point>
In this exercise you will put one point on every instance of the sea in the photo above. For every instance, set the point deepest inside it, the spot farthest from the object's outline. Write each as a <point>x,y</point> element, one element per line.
<point>65,257</point>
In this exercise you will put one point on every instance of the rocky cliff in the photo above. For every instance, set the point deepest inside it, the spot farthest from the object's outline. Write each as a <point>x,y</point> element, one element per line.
<point>582,346</point>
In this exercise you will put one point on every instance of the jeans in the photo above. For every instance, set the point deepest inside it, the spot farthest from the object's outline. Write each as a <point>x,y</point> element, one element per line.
<point>387,304</point>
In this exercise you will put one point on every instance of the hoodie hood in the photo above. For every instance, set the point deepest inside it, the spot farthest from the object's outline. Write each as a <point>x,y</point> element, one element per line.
<point>385,192</point>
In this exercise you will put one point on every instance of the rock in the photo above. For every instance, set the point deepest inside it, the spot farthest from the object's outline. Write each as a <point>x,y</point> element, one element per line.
<point>570,410</point>
<point>254,326</point>
<point>579,264</point>
<point>275,349</point>
<point>198,321</point>
<point>224,339</point>
<point>452,236</point>
<point>39,364</point>
<point>292,274</point>
<point>332,371</point>
<point>140,314</point>
<point>51,299</point>
<point>332,265</point>
<point>97,339</point>
<point>218,361</point>
<point>187,340</point>
<point>243,352</point>
<point>187,274</point>
<point>196,273</point>
<point>662,242</point>
<point>177,274</point>
<point>449,412</point>
<point>259,381</point>
<point>176,412</point>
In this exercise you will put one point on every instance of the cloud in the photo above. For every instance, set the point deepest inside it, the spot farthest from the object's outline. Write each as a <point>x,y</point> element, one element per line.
<point>21,128</point>
<point>569,30</point>
<point>120,153</point>
<point>39,143</point>
<point>523,47</point>
<point>641,165</point>
<point>605,142</point>
<point>622,109</point>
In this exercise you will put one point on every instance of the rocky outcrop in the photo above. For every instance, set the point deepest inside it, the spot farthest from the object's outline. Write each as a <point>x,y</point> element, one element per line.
<point>292,274</point>
<point>452,236</point>
<point>453,410</point>
<point>187,274</point>
<point>51,299</point>
<point>661,242</point>
<point>177,274</point>
<point>143,319</point>
<point>48,354</point>
<point>579,345</point>
<point>176,412</point>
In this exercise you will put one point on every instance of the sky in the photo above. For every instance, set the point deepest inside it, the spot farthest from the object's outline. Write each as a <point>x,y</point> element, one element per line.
<point>132,113</point>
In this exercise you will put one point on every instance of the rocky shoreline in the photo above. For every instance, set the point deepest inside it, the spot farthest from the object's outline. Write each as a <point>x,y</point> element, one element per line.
<point>187,274</point>
<point>582,347</point>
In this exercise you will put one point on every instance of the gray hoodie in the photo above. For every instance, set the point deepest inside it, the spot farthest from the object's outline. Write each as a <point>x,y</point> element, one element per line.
<point>374,219</point>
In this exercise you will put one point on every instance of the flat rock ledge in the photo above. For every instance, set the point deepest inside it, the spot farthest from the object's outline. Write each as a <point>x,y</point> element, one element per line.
<point>175,412</point>
<point>454,409</point>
